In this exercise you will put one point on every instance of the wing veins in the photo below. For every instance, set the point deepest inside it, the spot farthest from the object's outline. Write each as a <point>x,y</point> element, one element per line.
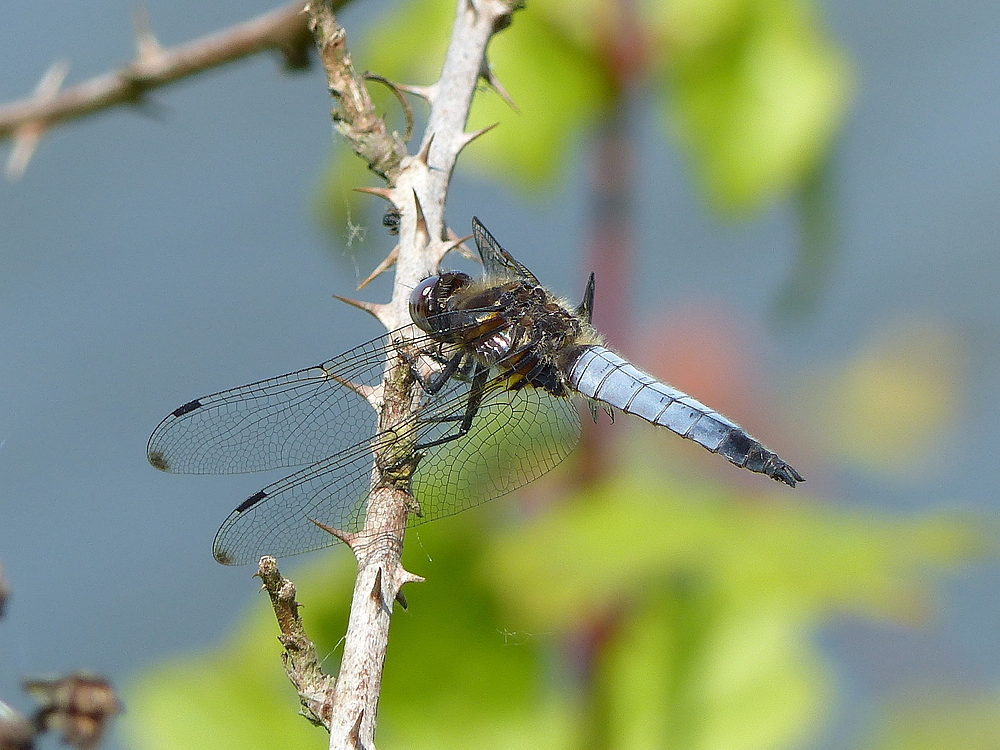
<point>281,503</point>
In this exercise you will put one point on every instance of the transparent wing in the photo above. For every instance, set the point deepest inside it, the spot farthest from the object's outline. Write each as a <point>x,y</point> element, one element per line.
<point>497,262</point>
<point>515,437</point>
<point>276,520</point>
<point>290,420</point>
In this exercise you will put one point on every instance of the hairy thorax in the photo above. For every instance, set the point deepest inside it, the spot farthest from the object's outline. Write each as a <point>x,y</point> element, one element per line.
<point>528,336</point>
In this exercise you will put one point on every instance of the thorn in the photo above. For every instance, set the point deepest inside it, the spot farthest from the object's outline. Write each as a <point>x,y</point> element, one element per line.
<point>586,308</point>
<point>147,46</point>
<point>374,309</point>
<point>376,593</point>
<point>380,192</point>
<point>26,141</point>
<point>407,110</point>
<point>354,736</point>
<point>386,263</point>
<point>425,152</point>
<point>370,393</point>
<point>53,78</point>
<point>424,92</point>
<point>401,599</point>
<point>29,135</point>
<point>470,137</point>
<point>345,536</point>
<point>408,577</point>
<point>458,244</point>
<point>421,220</point>
<point>486,73</point>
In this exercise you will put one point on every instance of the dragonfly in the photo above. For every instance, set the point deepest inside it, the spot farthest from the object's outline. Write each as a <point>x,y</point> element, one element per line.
<point>489,370</point>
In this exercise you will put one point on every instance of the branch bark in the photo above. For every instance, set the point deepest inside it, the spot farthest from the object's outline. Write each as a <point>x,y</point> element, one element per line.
<point>302,664</point>
<point>417,185</point>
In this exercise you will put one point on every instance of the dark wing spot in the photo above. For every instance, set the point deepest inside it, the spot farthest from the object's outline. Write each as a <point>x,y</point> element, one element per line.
<point>158,460</point>
<point>189,407</point>
<point>223,557</point>
<point>251,501</point>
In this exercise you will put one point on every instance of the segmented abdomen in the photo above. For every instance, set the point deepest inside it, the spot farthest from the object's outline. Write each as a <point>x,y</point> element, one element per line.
<point>601,374</point>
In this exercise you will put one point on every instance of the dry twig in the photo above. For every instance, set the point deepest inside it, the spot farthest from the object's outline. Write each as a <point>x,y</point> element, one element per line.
<point>302,665</point>
<point>79,707</point>
<point>27,120</point>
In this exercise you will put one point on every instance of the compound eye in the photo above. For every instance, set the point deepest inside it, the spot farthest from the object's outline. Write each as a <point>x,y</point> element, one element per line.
<point>423,302</point>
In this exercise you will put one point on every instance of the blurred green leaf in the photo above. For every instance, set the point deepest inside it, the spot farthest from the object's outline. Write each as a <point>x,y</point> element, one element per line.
<point>683,672</point>
<point>639,527</point>
<point>715,601</point>
<point>756,90</point>
<point>454,676</point>
<point>754,87</point>
<point>556,85</point>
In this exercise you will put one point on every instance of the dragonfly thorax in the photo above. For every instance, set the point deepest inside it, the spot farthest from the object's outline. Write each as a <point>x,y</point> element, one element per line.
<point>516,326</point>
<point>525,336</point>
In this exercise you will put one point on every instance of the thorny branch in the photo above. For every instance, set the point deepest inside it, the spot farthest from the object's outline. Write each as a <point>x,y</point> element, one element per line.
<point>417,187</point>
<point>27,120</point>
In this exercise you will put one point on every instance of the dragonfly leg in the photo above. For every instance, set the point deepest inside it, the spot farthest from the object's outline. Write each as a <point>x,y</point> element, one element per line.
<point>476,392</point>
<point>435,381</point>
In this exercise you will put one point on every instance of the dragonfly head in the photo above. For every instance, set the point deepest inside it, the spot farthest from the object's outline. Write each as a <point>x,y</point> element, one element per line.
<point>429,299</point>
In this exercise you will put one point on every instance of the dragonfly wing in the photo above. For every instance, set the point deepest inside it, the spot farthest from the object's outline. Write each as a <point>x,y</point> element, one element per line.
<point>278,520</point>
<point>497,262</point>
<point>517,436</point>
<point>290,420</point>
